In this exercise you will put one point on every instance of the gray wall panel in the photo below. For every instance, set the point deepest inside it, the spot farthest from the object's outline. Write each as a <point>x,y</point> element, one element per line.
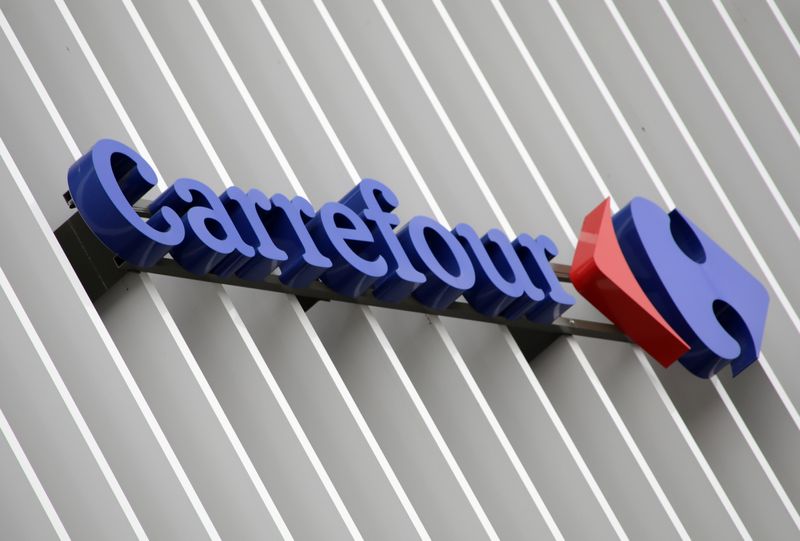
<point>366,422</point>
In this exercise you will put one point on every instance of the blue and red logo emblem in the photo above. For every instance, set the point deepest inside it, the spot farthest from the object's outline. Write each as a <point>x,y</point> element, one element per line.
<point>670,288</point>
<point>657,276</point>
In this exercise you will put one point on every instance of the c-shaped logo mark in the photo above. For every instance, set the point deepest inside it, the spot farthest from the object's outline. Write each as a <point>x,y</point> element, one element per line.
<point>670,288</point>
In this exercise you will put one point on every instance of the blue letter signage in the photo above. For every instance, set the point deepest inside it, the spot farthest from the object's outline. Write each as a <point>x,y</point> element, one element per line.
<point>350,245</point>
<point>657,276</point>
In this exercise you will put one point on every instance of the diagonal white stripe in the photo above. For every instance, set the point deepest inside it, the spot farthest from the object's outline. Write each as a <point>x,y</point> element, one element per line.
<point>726,203</point>
<point>59,384</point>
<point>731,118</point>
<point>19,453</point>
<point>756,450</point>
<point>107,88</point>
<point>526,158</point>
<point>759,73</point>
<point>784,26</point>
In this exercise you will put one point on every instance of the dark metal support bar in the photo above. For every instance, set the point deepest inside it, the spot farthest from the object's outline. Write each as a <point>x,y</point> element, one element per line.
<point>98,270</point>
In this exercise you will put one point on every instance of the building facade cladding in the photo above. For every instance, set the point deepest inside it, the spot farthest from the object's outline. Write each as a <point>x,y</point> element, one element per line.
<point>173,409</point>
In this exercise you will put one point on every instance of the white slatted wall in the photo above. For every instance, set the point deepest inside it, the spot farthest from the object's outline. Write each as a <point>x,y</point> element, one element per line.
<point>178,410</point>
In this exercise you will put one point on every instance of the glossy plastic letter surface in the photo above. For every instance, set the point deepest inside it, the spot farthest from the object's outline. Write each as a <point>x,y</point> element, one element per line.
<point>104,183</point>
<point>714,303</point>
<point>601,274</point>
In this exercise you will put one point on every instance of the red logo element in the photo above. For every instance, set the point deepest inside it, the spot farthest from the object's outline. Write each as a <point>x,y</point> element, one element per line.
<point>601,274</point>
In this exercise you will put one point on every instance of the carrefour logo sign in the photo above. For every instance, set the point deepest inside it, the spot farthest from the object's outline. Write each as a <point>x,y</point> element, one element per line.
<point>658,277</point>
<point>670,288</point>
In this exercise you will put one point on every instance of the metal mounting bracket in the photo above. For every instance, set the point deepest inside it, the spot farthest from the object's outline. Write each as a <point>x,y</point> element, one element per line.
<point>99,269</point>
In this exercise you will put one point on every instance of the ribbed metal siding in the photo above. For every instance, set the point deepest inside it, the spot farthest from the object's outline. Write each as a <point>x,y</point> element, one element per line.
<point>179,410</point>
